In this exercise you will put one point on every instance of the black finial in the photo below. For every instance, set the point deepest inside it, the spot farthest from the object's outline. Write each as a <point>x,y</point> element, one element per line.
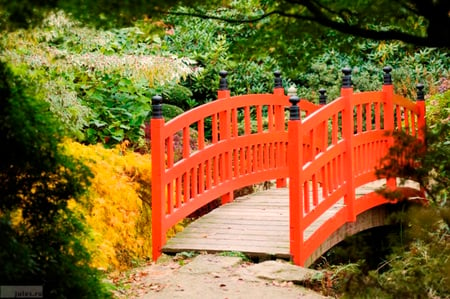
<point>294,111</point>
<point>157,107</point>
<point>322,96</point>
<point>420,93</point>
<point>347,79</point>
<point>278,81</point>
<point>387,78</point>
<point>223,84</point>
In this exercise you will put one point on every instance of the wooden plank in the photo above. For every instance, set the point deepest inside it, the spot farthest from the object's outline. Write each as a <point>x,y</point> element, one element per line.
<point>256,225</point>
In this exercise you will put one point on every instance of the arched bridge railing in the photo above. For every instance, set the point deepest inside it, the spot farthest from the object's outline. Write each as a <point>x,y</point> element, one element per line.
<point>349,137</point>
<point>325,151</point>
<point>210,151</point>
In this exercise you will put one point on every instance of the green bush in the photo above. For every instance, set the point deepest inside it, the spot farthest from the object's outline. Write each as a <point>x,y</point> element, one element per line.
<point>41,237</point>
<point>98,82</point>
<point>119,106</point>
<point>215,46</point>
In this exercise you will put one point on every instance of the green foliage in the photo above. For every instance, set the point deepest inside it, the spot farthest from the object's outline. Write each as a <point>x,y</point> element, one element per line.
<point>216,46</point>
<point>99,83</point>
<point>314,61</point>
<point>367,58</point>
<point>41,238</point>
<point>422,270</point>
<point>171,111</point>
<point>119,106</point>
<point>177,95</point>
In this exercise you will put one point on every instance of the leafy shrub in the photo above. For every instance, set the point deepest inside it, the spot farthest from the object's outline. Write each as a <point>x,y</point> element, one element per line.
<point>118,209</point>
<point>367,58</point>
<point>119,108</point>
<point>214,45</point>
<point>94,80</point>
<point>41,237</point>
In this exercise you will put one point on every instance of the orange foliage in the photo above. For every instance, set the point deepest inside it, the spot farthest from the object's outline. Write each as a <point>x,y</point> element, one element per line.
<point>117,206</point>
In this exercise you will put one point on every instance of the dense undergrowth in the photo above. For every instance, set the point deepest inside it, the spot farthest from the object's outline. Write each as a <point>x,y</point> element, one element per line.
<point>118,205</point>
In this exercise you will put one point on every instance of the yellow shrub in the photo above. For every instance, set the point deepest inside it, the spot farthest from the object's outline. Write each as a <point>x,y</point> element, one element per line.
<point>117,205</point>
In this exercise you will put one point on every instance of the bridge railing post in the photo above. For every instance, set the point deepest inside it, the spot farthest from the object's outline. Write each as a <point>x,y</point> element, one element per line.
<point>388,92</point>
<point>323,131</point>
<point>295,156</point>
<point>420,103</point>
<point>278,90</point>
<point>225,134</point>
<point>158,164</point>
<point>347,134</point>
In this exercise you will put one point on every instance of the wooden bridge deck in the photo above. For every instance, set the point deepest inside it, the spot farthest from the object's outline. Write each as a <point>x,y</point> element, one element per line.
<point>256,225</point>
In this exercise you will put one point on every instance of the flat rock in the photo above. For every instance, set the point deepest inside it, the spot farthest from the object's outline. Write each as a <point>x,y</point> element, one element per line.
<point>209,263</point>
<point>282,271</point>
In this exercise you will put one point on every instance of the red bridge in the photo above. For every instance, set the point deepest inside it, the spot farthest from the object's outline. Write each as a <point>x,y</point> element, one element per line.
<point>326,154</point>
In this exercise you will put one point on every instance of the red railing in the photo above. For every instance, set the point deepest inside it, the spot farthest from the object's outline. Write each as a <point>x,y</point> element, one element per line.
<point>350,138</point>
<point>332,151</point>
<point>247,144</point>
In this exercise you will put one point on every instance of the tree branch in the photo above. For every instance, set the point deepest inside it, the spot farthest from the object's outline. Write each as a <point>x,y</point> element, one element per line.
<point>320,18</point>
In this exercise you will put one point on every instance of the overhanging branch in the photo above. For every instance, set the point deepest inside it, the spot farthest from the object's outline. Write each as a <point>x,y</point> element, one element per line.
<point>320,18</point>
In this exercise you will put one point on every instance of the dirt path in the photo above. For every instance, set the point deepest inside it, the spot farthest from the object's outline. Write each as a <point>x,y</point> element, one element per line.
<point>213,276</point>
